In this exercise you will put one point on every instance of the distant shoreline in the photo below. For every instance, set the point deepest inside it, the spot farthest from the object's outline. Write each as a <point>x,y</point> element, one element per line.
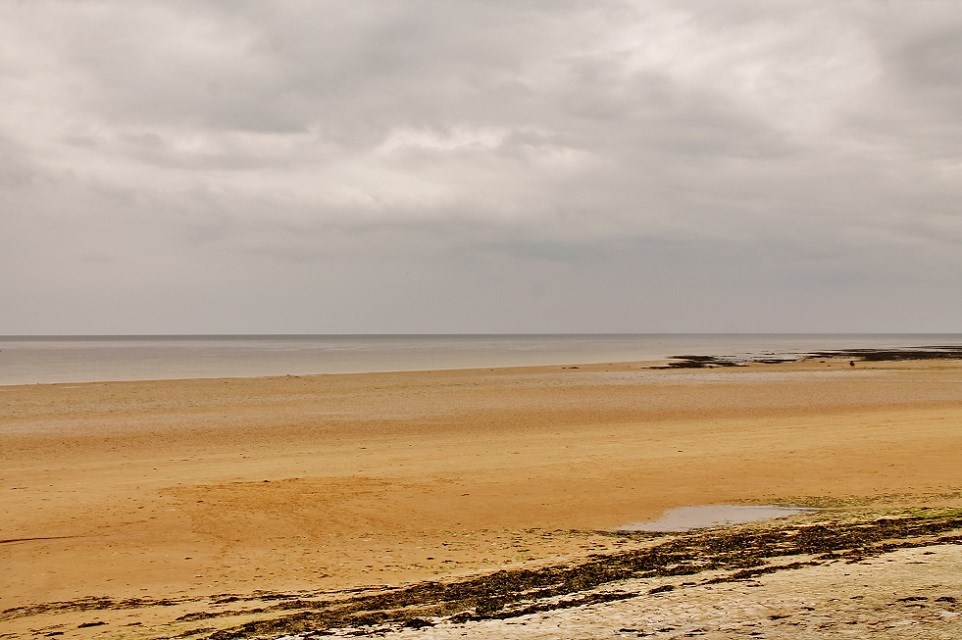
<point>44,360</point>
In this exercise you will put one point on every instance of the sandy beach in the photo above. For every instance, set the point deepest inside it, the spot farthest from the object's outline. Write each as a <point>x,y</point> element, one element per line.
<point>160,500</point>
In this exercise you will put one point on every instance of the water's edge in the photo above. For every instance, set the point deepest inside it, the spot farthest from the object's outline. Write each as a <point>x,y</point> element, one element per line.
<point>46,359</point>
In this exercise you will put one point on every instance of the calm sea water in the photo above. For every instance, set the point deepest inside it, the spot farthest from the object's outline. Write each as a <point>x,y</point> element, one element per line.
<point>39,359</point>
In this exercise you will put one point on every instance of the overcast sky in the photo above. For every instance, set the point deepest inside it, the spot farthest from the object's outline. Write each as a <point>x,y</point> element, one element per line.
<point>480,166</point>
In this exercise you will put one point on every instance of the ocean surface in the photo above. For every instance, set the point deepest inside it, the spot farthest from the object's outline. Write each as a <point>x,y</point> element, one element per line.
<point>44,359</point>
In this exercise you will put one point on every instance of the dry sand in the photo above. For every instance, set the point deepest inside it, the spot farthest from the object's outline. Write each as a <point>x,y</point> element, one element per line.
<point>180,490</point>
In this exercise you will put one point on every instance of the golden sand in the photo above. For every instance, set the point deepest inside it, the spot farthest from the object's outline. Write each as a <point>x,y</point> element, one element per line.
<point>198,487</point>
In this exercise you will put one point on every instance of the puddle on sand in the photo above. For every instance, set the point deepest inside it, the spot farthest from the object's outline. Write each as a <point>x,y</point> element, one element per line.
<point>684,518</point>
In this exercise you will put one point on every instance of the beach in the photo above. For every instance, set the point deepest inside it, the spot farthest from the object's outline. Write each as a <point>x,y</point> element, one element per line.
<point>156,498</point>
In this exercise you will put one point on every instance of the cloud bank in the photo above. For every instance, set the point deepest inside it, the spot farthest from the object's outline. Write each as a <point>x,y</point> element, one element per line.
<point>480,166</point>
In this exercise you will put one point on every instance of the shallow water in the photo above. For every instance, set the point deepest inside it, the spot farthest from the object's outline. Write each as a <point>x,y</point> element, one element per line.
<point>685,518</point>
<point>37,359</point>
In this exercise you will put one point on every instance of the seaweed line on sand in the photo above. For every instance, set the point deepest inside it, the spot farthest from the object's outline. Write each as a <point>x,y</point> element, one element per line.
<point>744,552</point>
<point>665,562</point>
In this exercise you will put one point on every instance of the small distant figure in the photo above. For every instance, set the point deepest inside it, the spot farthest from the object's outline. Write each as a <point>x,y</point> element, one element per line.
<point>851,363</point>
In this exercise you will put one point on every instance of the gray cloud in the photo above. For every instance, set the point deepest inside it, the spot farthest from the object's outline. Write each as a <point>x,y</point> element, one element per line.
<point>479,166</point>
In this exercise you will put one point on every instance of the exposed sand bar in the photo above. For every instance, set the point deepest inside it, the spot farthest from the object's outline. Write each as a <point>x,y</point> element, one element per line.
<point>174,488</point>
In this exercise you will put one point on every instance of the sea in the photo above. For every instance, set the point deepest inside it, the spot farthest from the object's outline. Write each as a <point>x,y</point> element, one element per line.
<point>48,359</point>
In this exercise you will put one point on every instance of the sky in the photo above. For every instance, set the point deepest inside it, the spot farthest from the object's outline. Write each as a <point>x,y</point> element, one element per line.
<point>480,166</point>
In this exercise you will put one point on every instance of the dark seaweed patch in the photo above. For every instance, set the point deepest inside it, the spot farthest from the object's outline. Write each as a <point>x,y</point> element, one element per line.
<point>935,352</point>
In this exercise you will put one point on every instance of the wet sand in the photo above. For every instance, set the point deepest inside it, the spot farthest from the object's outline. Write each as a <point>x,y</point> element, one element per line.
<point>167,493</point>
